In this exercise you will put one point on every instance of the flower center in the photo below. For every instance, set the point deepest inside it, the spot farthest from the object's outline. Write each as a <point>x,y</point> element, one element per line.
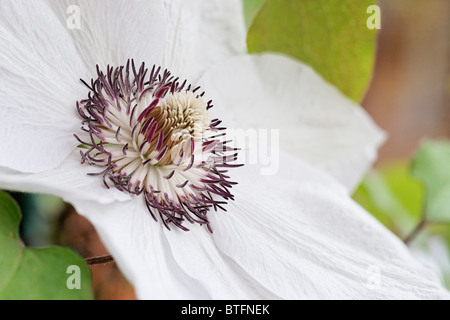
<point>153,136</point>
<point>178,120</point>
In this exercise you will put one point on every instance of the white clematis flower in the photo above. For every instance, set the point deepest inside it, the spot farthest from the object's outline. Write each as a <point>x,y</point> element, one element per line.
<point>295,234</point>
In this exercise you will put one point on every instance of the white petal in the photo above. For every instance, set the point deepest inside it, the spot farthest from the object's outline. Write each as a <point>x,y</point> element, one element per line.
<point>201,33</point>
<point>68,180</point>
<point>316,122</point>
<point>201,260</point>
<point>164,264</point>
<point>140,249</point>
<point>299,236</point>
<point>295,235</point>
<point>39,87</point>
<point>110,32</point>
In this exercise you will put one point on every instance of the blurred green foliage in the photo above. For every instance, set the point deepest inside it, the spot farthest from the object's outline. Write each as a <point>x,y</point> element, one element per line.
<point>251,9</point>
<point>393,196</point>
<point>406,194</point>
<point>432,166</point>
<point>402,193</point>
<point>329,35</point>
<point>41,214</point>
<point>35,273</point>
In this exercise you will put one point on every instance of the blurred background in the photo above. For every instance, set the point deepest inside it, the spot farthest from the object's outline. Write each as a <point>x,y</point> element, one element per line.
<point>409,97</point>
<point>410,92</point>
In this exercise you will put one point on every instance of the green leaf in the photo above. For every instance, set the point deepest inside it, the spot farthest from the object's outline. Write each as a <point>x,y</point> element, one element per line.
<point>431,165</point>
<point>393,196</point>
<point>35,273</point>
<point>330,35</point>
<point>251,9</point>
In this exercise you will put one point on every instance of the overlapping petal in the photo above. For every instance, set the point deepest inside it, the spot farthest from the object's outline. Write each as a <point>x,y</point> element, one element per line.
<point>110,32</point>
<point>300,236</point>
<point>295,235</point>
<point>315,121</point>
<point>201,33</point>
<point>69,180</point>
<point>40,71</point>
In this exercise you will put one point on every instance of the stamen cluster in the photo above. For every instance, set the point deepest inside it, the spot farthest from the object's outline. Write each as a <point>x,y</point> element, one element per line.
<point>152,136</point>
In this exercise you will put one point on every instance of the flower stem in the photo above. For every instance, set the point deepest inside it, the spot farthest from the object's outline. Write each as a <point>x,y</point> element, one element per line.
<point>99,260</point>
<point>422,224</point>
